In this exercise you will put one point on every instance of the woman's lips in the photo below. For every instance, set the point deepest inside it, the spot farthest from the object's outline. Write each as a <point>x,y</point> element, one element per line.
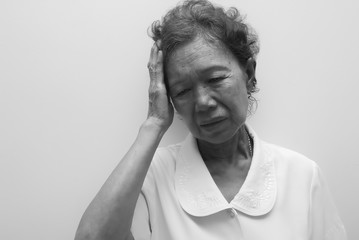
<point>212,122</point>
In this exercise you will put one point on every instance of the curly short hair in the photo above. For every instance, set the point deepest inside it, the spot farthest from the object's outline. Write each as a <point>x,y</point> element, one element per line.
<point>194,18</point>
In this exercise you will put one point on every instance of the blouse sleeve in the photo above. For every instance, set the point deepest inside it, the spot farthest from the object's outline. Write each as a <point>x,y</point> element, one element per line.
<point>325,222</point>
<point>141,229</point>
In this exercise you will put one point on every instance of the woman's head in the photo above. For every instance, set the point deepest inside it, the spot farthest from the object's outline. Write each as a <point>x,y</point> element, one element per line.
<point>209,65</point>
<point>200,18</point>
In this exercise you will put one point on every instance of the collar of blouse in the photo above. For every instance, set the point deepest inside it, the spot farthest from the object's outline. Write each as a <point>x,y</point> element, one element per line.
<point>199,195</point>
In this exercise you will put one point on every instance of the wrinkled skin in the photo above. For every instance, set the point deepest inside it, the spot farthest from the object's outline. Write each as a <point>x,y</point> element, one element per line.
<point>208,88</point>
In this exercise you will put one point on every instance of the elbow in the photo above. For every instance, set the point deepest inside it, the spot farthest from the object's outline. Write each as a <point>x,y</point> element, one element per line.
<point>88,234</point>
<point>82,234</point>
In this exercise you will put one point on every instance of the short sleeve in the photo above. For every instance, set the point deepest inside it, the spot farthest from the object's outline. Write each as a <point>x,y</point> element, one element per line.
<point>325,222</point>
<point>141,229</point>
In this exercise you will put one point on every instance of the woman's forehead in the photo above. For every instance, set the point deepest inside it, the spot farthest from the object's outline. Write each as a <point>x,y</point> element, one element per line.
<point>199,59</point>
<point>198,54</point>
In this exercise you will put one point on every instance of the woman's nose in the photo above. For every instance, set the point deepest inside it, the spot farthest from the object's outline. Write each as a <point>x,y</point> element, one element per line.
<point>204,100</point>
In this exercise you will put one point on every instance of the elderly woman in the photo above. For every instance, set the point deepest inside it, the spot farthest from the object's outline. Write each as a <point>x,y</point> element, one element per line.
<point>222,181</point>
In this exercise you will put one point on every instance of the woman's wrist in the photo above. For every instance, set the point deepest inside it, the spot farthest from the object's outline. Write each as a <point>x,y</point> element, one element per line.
<point>154,126</point>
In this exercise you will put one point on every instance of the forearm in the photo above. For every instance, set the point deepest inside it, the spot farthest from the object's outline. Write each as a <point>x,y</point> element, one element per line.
<point>109,216</point>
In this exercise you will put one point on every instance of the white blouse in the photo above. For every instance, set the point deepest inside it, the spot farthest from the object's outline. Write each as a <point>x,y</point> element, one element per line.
<point>284,197</point>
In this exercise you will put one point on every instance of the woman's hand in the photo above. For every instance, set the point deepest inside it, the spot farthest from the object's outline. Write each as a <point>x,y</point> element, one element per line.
<point>110,214</point>
<point>160,109</point>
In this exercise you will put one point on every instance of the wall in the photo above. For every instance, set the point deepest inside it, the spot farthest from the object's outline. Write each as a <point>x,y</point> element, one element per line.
<point>73,88</point>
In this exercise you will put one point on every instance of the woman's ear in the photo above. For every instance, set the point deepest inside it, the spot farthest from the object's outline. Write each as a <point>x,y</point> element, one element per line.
<point>251,73</point>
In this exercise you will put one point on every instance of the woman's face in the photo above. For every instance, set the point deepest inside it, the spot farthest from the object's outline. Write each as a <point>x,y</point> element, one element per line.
<point>208,88</point>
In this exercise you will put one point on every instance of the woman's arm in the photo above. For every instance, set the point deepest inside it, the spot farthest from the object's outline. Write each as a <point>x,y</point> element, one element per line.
<point>109,215</point>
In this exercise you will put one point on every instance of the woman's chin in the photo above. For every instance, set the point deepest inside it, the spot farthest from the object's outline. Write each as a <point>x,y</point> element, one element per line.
<point>216,137</point>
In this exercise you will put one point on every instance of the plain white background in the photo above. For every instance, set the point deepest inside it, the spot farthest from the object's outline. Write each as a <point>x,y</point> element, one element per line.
<point>73,93</point>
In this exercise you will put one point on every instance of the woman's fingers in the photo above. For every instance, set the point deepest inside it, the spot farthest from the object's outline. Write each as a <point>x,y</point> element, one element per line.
<point>158,44</point>
<point>160,108</point>
<point>153,55</point>
<point>155,65</point>
<point>155,68</point>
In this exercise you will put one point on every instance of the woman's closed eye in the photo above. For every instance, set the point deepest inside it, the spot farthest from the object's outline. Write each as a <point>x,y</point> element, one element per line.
<point>216,79</point>
<point>182,92</point>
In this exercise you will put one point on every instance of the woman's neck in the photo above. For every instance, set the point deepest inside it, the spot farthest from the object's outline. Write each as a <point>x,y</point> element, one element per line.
<point>231,152</point>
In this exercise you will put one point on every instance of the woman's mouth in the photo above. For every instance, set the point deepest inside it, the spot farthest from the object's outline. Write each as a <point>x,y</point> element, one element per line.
<point>212,123</point>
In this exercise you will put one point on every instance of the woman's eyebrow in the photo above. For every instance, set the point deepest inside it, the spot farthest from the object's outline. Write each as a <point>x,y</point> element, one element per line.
<point>205,70</point>
<point>214,68</point>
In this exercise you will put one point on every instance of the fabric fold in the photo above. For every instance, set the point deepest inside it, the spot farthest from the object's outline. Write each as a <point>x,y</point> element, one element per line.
<point>199,195</point>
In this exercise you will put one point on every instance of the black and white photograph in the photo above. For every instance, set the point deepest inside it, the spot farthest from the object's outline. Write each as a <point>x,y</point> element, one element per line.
<point>179,120</point>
